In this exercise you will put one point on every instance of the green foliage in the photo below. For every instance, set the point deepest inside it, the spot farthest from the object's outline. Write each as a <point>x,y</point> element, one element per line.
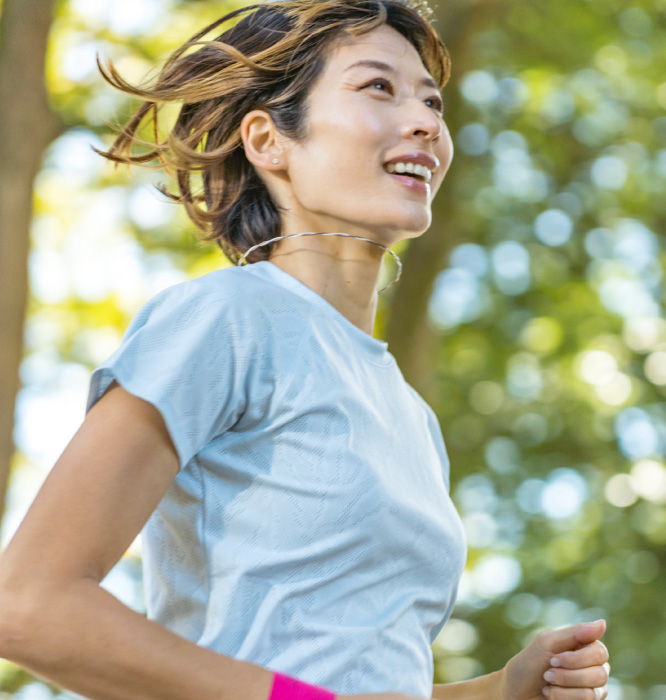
<point>550,391</point>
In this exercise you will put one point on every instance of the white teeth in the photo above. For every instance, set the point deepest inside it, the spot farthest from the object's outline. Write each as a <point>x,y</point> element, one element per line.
<point>411,168</point>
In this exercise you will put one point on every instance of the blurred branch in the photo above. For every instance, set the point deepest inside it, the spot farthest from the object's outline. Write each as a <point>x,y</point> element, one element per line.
<point>409,335</point>
<point>27,126</point>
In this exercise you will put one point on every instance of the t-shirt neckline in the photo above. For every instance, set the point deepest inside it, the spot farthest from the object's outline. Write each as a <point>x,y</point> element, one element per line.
<point>376,348</point>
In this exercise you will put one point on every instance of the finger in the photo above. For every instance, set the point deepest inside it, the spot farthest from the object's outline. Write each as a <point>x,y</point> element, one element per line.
<point>593,677</point>
<point>571,638</point>
<point>554,693</point>
<point>594,654</point>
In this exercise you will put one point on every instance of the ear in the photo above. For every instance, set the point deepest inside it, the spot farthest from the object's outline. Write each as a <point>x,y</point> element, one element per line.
<point>261,140</point>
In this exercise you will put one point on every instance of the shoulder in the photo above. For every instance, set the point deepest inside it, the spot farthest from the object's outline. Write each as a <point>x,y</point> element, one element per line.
<point>230,307</point>
<point>220,285</point>
<point>232,292</point>
<point>433,420</point>
<point>420,401</point>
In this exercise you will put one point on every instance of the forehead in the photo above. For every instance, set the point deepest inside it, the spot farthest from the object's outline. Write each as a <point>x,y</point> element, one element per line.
<point>383,44</point>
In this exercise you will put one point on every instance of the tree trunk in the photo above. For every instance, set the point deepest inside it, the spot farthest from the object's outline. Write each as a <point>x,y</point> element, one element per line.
<point>409,333</point>
<point>27,126</point>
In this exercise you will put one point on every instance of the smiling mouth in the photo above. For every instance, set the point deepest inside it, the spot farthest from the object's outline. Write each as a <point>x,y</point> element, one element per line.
<point>422,176</point>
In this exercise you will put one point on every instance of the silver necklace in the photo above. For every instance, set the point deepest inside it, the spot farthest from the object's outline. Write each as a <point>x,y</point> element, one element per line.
<point>316,233</point>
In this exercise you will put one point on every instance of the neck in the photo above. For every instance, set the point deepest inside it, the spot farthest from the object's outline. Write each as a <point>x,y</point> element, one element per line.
<point>343,270</point>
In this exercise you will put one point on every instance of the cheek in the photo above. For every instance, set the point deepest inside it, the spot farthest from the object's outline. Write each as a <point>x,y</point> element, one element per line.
<point>445,146</point>
<point>444,152</point>
<point>347,144</point>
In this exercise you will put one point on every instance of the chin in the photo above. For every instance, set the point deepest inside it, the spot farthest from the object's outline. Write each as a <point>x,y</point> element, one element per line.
<point>391,237</point>
<point>415,234</point>
<point>417,226</point>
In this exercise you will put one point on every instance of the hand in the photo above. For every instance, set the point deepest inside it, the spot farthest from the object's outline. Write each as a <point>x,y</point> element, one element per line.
<point>574,655</point>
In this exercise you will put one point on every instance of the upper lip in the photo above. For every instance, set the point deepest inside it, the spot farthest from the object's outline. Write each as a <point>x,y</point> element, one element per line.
<point>419,158</point>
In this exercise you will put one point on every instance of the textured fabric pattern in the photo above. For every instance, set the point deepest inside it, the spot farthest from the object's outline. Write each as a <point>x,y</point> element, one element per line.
<point>310,528</point>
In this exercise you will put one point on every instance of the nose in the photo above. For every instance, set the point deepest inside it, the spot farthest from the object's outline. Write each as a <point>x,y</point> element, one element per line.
<point>423,121</point>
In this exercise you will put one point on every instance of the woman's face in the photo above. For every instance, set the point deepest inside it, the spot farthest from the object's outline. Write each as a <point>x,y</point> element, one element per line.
<point>362,115</point>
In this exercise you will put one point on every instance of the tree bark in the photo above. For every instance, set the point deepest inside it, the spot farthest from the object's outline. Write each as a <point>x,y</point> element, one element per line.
<point>409,333</point>
<point>27,126</point>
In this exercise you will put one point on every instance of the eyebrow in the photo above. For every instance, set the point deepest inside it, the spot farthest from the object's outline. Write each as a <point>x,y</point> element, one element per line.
<point>380,65</point>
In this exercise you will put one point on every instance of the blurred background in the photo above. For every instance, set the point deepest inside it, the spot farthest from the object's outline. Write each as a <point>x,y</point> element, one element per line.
<point>530,316</point>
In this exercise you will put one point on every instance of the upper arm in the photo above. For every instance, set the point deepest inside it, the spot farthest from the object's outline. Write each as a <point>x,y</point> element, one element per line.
<point>96,498</point>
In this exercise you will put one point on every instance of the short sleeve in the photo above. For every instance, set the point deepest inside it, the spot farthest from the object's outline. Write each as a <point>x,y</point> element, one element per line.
<point>186,353</point>
<point>438,439</point>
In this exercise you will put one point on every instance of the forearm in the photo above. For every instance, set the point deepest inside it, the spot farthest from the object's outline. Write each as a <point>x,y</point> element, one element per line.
<point>481,688</point>
<point>87,641</point>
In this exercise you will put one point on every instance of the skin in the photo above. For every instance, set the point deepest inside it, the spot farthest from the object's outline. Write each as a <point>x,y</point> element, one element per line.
<point>55,618</point>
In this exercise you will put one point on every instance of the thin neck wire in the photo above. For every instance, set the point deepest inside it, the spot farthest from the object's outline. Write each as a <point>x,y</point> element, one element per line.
<point>316,233</point>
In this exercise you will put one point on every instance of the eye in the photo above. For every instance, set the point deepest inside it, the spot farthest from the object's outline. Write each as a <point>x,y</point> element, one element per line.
<point>380,81</point>
<point>435,101</point>
<point>438,105</point>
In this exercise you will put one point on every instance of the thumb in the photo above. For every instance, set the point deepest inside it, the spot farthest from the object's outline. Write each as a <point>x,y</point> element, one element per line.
<point>576,636</point>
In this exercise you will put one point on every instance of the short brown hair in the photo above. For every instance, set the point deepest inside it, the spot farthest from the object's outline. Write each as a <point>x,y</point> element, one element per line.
<point>269,60</point>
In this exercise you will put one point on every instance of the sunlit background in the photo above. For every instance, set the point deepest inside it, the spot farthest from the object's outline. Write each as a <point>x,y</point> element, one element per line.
<point>549,314</point>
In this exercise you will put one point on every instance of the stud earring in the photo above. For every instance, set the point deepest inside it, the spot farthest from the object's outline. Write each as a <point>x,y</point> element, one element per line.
<point>276,160</point>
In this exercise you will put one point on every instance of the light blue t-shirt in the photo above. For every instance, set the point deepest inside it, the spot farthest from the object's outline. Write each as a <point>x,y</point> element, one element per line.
<point>309,529</point>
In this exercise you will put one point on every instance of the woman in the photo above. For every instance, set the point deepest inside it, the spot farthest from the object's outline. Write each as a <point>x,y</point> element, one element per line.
<point>299,539</point>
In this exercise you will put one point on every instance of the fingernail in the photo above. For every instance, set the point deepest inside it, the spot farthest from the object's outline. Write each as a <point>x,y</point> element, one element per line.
<point>546,691</point>
<point>555,661</point>
<point>549,676</point>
